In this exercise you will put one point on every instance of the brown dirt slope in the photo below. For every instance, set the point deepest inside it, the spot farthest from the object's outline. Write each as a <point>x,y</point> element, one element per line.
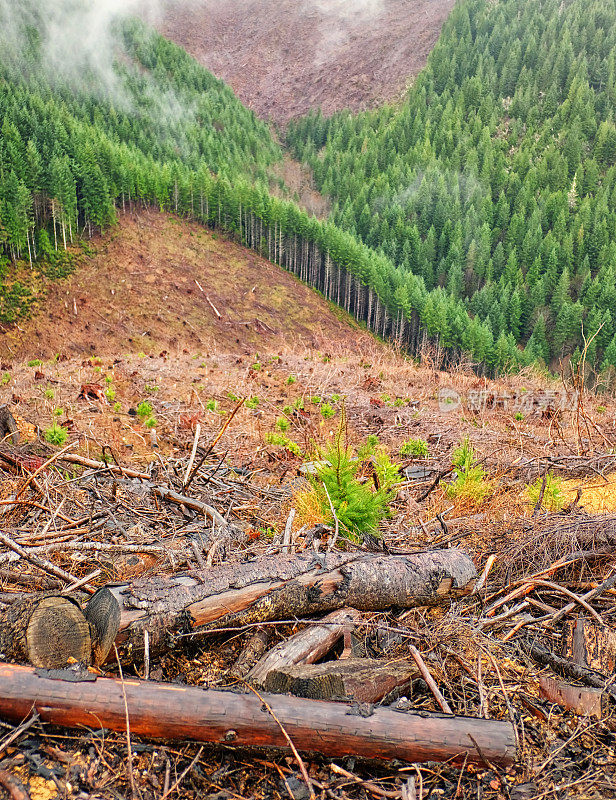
<point>284,57</point>
<point>149,287</point>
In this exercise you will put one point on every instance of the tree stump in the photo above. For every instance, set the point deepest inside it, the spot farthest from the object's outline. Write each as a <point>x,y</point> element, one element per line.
<point>8,426</point>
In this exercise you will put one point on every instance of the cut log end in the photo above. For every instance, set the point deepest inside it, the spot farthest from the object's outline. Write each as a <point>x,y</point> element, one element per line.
<point>103,613</point>
<point>56,633</point>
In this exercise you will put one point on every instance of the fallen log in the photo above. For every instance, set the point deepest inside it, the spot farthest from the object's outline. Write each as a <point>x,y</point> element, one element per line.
<point>570,669</point>
<point>252,652</point>
<point>305,647</point>
<point>283,587</point>
<point>364,680</point>
<point>164,711</point>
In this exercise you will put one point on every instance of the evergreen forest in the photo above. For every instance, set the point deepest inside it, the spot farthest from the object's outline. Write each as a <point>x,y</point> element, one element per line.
<point>475,219</point>
<point>495,179</point>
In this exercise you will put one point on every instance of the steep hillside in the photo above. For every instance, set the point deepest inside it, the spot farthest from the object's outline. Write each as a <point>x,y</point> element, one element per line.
<point>139,318</point>
<point>159,283</point>
<point>283,58</point>
<point>495,179</point>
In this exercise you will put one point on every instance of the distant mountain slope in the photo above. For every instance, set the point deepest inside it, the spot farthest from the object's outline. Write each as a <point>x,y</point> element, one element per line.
<point>153,284</point>
<point>284,57</point>
<point>496,178</point>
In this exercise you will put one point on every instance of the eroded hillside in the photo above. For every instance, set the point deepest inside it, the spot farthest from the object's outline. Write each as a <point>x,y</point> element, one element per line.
<point>283,58</point>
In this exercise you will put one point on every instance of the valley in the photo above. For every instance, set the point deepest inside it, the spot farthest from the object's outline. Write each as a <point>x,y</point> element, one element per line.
<point>292,293</point>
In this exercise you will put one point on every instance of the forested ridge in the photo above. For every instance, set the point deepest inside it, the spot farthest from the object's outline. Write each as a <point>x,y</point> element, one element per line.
<point>495,179</point>
<point>476,217</point>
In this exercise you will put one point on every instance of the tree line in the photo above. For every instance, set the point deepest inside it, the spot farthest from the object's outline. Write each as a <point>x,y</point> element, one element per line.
<point>178,139</point>
<point>495,178</point>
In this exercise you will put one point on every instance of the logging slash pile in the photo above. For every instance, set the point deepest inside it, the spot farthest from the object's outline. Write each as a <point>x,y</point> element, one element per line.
<point>152,645</point>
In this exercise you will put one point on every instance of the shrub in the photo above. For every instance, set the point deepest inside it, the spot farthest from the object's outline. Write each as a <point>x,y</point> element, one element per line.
<point>110,394</point>
<point>280,440</point>
<point>283,424</point>
<point>211,405</point>
<point>144,409</point>
<point>151,422</point>
<point>56,434</point>
<point>519,416</point>
<point>252,402</point>
<point>414,447</point>
<point>291,380</point>
<point>48,394</point>
<point>117,407</point>
<point>470,483</point>
<point>553,498</point>
<point>327,411</point>
<point>35,363</point>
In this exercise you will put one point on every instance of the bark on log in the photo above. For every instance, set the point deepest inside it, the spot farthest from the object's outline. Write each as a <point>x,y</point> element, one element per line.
<point>364,680</point>
<point>585,702</point>
<point>283,587</point>
<point>103,614</point>
<point>304,647</point>
<point>46,631</point>
<point>163,711</point>
<point>570,669</point>
<point>590,645</point>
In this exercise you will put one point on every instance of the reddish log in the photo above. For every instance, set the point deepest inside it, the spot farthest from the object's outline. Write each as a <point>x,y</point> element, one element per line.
<point>165,711</point>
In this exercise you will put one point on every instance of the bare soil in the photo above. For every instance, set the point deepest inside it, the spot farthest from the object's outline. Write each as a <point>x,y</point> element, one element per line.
<point>284,57</point>
<point>154,284</point>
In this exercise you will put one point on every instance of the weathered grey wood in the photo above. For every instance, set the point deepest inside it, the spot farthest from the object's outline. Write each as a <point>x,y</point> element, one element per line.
<point>283,587</point>
<point>8,426</point>
<point>250,655</point>
<point>365,680</point>
<point>164,711</point>
<point>590,645</point>
<point>305,647</point>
